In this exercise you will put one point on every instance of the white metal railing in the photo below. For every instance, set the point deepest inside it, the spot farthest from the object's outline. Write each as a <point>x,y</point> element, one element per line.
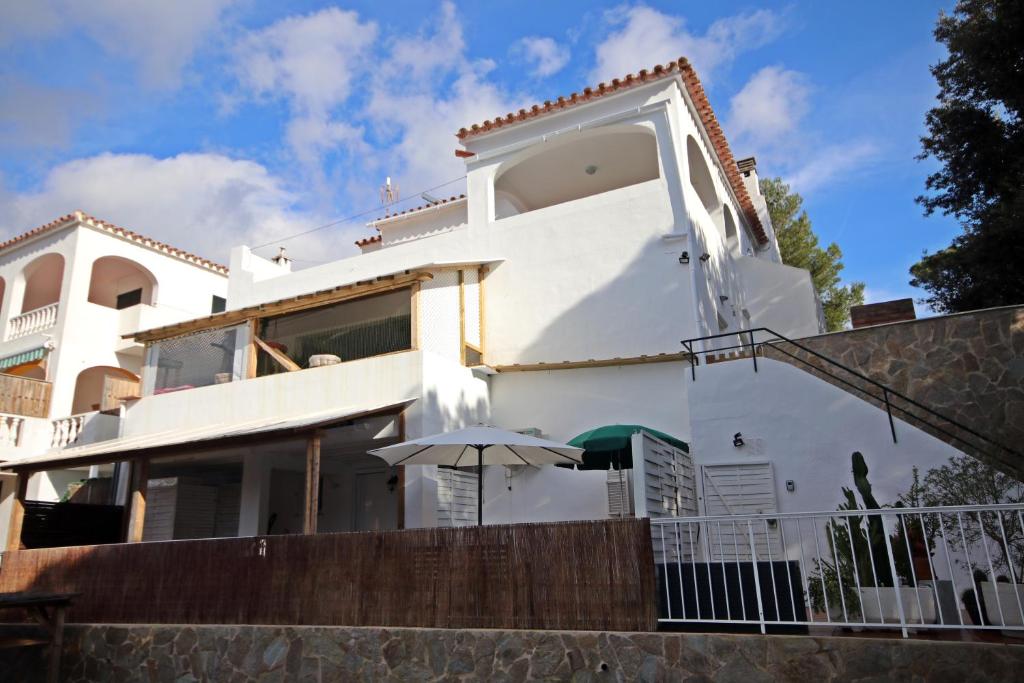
<point>10,430</point>
<point>906,568</point>
<point>66,430</point>
<point>33,321</point>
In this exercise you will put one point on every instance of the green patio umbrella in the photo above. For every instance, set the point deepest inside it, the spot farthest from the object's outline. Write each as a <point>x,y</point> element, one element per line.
<point>609,447</point>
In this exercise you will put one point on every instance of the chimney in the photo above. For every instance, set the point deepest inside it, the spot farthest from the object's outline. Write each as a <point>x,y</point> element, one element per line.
<point>881,313</point>
<point>748,169</point>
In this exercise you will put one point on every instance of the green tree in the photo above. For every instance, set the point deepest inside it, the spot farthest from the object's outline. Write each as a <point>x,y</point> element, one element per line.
<point>976,133</point>
<point>799,247</point>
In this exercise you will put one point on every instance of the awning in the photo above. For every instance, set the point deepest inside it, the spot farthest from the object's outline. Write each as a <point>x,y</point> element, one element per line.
<point>23,357</point>
<point>610,447</point>
<point>166,443</point>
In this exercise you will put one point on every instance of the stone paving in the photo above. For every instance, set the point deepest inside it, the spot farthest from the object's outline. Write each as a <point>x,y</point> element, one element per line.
<point>181,654</point>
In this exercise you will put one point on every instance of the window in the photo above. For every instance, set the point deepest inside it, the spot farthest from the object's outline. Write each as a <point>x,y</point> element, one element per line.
<point>370,326</point>
<point>196,360</point>
<point>219,304</point>
<point>129,299</point>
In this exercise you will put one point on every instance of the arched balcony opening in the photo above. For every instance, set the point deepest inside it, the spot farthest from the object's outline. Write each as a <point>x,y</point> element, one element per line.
<point>586,164</point>
<point>732,236</point>
<point>101,388</point>
<point>120,283</point>
<point>43,279</point>
<point>702,182</point>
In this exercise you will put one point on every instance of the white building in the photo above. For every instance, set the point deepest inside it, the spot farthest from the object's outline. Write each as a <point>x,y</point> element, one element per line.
<point>70,290</point>
<point>596,232</point>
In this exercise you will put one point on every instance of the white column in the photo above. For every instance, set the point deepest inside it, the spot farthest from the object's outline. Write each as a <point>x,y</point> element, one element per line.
<point>255,503</point>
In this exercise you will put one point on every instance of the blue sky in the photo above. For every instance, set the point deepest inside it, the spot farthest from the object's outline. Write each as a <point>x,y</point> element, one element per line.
<point>208,123</point>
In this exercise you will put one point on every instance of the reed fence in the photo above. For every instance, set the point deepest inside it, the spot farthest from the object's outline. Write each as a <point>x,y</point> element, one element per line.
<point>571,575</point>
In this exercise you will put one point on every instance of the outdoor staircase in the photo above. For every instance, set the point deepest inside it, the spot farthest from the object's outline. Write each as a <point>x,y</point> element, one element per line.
<point>959,378</point>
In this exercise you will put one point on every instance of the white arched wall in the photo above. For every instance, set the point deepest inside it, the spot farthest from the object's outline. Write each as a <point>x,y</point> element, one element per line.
<point>581,165</point>
<point>89,387</point>
<point>112,276</point>
<point>42,282</point>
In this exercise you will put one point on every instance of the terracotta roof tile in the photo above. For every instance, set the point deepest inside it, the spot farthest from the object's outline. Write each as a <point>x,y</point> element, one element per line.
<point>422,207</point>
<point>366,241</point>
<point>85,219</point>
<point>681,67</point>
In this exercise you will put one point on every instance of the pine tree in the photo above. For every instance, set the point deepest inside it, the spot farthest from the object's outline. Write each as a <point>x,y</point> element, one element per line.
<point>800,248</point>
<point>976,133</point>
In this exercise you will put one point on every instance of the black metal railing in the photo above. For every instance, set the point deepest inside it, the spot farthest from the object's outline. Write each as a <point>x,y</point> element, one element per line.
<point>886,395</point>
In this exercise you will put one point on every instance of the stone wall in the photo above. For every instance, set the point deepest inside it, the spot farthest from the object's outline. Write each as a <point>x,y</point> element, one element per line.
<point>313,654</point>
<point>968,367</point>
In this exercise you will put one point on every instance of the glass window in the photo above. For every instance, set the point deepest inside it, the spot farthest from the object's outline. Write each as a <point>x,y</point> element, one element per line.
<point>350,330</point>
<point>196,360</point>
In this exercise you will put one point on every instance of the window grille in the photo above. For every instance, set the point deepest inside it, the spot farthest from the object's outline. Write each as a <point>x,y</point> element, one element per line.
<point>196,360</point>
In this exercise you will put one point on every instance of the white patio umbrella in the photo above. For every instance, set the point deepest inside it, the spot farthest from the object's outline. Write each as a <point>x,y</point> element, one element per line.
<point>492,446</point>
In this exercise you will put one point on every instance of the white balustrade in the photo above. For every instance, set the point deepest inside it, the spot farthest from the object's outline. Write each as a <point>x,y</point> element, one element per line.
<point>33,321</point>
<point>10,430</point>
<point>67,430</point>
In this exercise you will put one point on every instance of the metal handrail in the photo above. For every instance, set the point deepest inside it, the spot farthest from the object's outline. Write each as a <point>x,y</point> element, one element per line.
<point>887,391</point>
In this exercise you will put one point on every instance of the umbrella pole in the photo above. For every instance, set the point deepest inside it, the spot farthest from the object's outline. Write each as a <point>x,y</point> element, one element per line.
<point>480,485</point>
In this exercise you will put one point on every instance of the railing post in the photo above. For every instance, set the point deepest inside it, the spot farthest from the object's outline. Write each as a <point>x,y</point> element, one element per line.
<point>753,350</point>
<point>888,409</point>
<point>757,577</point>
<point>895,577</point>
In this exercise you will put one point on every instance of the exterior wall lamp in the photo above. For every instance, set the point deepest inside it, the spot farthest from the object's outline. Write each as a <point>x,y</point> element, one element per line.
<point>704,257</point>
<point>684,258</point>
<point>737,439</point>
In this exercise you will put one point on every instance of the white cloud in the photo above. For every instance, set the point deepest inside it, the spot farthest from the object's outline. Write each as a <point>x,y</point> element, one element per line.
<point>545,56</point>
<point>160,37</point>
<point>830,163</point>
<point>645,37</point>
<point>205,203</point>
<point>769,106</point>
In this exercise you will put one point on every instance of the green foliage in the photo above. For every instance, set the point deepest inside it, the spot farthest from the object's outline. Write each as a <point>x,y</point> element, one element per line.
<point>976,133</point>
<point>800,248</point>
<point>967,481</point>
<point>859,552</point>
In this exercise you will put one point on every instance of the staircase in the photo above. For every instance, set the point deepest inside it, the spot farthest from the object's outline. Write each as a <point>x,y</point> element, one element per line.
<point>959,378</point>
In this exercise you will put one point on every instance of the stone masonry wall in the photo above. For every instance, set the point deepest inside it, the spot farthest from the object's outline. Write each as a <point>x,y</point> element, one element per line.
<point>240,654</point>
<point>968,367</point>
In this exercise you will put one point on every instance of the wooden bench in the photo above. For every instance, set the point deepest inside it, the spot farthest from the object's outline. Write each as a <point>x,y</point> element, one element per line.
<point>49,610</point>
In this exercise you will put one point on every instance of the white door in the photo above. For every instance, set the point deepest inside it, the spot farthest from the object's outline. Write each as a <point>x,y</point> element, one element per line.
<point>740,489</point>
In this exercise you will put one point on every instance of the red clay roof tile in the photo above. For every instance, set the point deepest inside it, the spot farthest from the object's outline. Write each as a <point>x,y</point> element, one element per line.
<point>680,67</point>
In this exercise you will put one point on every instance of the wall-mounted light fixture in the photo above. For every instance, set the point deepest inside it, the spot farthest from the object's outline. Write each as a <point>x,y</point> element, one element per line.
<point>723,298</point>
<point>737,439</point>
<point>684,258</point>
<point>704,257</point>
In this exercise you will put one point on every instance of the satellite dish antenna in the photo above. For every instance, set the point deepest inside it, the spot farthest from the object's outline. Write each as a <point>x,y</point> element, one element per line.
<point>388,192</point>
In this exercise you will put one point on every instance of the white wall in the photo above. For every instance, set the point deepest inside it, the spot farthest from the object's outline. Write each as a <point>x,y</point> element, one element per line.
<point>780,297</point>
<point>563,404</point>
<point>806,428</point>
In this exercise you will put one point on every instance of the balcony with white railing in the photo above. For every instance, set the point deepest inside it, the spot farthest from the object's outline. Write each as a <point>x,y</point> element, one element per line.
<point>31,322</point>
<point>11,427</point>
<point>927,569</point>
<point>85,428</point>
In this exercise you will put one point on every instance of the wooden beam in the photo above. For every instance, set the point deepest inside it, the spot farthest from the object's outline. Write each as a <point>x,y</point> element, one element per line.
<point>252,351</point>
<point>604,363</point>
<point>462,317</point>
<point>312,483</point>
<point>481,274</point>
<point>282,360</point>
<point>355,290</point>
<point>414,310</point>
<point>137,509</point>
<point>17,512</point>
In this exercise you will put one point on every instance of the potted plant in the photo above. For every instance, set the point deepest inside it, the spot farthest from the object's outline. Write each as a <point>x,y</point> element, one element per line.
<point>861,556</point>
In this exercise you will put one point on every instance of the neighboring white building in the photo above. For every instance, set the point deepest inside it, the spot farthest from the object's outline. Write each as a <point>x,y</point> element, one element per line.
<point>596,232</point>
<point>70,289</point>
